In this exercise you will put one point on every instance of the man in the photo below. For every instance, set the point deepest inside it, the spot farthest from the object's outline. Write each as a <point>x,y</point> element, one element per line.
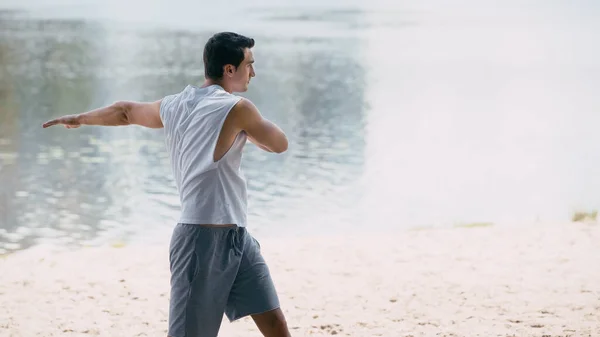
<point>216,265</point>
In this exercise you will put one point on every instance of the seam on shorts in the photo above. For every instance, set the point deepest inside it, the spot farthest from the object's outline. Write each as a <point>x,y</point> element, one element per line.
<point>258,243</point>
<point>189,292</point>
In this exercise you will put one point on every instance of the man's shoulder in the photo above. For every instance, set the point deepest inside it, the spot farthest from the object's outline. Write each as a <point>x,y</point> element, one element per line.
<point>172,96</point>
<point>243,106</point>
<point>244,112</point>
<point>168,104</point>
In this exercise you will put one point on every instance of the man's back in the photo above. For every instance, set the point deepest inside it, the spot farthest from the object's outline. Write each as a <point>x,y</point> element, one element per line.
<point>212,190</point>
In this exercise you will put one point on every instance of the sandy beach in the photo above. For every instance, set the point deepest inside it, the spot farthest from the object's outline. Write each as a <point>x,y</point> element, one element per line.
<point>526,280</point>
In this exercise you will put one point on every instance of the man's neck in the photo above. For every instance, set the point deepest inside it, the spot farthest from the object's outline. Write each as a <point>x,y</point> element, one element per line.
<point>208,82</point>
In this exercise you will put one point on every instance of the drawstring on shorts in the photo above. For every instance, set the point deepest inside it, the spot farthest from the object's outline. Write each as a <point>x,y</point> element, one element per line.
<point>235,240</point>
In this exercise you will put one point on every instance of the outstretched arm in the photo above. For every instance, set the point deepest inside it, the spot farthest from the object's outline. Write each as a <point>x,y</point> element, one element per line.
<point>119,113</point>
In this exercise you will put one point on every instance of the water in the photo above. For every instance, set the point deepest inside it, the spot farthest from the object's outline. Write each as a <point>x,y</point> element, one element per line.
<point>398,115</point>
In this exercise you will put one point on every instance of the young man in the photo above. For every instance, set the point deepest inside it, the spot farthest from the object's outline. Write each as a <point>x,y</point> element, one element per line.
<point>216,265</point>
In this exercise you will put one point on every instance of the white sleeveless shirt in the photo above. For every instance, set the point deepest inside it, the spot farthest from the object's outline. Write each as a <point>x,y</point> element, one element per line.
<point>210,192</point>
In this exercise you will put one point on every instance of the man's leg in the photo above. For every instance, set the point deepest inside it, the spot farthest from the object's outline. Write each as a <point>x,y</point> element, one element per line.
<point>204,266</point>
<point>272,323</point>
<point>253,292</point>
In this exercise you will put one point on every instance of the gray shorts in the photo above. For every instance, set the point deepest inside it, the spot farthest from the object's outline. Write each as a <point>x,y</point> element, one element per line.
<point>216,271</point>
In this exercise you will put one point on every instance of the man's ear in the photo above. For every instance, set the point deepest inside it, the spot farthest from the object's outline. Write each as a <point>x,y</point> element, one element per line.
<point>229,70</point>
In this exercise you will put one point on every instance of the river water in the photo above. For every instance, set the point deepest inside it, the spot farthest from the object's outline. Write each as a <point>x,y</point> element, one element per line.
<point>399,115</point>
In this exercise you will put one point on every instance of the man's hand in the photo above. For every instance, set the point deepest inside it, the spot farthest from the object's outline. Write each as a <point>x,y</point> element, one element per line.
<point>69,121</point>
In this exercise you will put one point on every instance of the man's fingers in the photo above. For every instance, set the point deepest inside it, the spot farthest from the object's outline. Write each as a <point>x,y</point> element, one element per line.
<point>66,120</point>
<point>50,123</point>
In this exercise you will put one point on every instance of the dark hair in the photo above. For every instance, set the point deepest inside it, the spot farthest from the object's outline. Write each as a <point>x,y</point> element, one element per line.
<point>222,49</point>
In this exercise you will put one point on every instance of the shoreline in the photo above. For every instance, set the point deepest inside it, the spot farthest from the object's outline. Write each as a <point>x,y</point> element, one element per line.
<point>533,280</point>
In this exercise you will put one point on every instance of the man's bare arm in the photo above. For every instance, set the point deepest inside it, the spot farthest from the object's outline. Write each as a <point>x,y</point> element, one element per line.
<point>262,132</point>
<point>250,139</point>
<point>117,114</point>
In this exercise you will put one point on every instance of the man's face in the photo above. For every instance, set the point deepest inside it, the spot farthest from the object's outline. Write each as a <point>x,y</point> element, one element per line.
<point>242,75</point>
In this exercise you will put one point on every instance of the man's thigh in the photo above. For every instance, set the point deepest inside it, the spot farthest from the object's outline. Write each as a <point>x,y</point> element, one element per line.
<point>204,266</point>
<point>253,291</point>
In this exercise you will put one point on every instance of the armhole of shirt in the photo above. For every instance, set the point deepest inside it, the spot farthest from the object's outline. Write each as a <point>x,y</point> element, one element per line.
<point>164,107</point>
<point>234,102</point>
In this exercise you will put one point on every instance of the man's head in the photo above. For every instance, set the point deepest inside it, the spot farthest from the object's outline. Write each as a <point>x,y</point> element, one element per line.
<point>228,60</point>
